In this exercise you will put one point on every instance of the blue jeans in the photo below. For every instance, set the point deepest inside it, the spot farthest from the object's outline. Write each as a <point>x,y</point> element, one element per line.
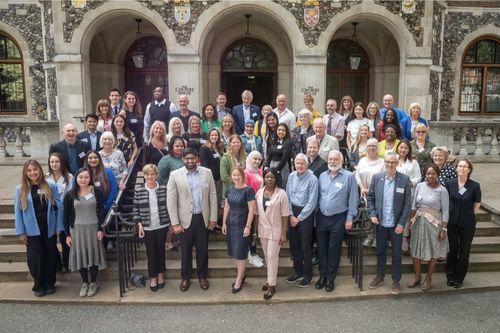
<point>329,235</point>
<point>383,234</point>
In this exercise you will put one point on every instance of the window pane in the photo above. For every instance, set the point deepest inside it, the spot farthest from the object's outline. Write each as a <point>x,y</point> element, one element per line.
<point>11,88</point>
<point>12,51</point>
<point>486,52</point>
<point>497,60</point>
<point>471,90</point>
<point>3,48</point>
<point>470,56</point>
<point>354,86</point>
<point>333,87</point>
<point>492,102</point>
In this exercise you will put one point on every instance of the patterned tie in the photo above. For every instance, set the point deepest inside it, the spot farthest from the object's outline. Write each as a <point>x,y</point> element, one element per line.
<point>115,110</point>
<point>329,127</point>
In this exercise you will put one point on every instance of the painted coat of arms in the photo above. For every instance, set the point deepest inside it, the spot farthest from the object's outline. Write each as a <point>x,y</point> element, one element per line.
<point>182,11</point>
<point>408,6</point>
<point>311,12</point>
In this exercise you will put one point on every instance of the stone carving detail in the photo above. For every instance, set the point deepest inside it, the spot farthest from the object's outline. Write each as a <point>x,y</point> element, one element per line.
<point>412,21</point>
<point>74,16</point>
<point>454,33</point>
<point>27,20</point>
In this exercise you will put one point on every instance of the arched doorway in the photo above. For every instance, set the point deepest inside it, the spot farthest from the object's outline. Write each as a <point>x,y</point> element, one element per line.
<point>347,71</point>
<point>250,64</point>
<point>153,74</point>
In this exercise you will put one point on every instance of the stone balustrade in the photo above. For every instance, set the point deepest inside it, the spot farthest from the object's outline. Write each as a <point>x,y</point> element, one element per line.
<point>30,137</point>
<point>477,140</point>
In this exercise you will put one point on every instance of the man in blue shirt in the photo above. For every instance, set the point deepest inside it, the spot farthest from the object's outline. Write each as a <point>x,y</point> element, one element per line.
<point>302,192</point>
<point>338,205</point>
<point>388,206</point>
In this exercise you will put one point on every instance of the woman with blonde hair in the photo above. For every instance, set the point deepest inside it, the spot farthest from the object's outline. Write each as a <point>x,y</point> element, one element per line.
<point>446,170</point>
<point>194,137</point>
<point>373,114</point>
<point>156,147</point>
<point>227,129</point>
<point>408,124</point>
<point>234,156</point>
<point>260,125</point>
<point>175,128</point>
<point>113,158</point>
<point>358,149</point>
<point>103,111</point>
<point>38,219</point>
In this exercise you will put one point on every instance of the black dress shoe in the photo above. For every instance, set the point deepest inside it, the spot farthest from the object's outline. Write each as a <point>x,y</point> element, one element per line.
<point>161,285</point>
<point>154,288</point>
<point>51,290</point>
<point>457,285</point>
<point>265,287</point>
<point>40,293</point>
<point>329,286</point>
<point>236,290</point>
<point>320,284</point>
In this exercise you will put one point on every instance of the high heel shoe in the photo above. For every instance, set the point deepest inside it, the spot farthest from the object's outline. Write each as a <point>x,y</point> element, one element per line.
<point>237,290</point>
<point>270,292</point>
<point>265,287</point>
<point>161,285</point>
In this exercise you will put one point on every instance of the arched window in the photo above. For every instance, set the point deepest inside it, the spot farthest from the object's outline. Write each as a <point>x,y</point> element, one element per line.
<point>480,81</point>
<point>12,97</point>
<point>249,54</point>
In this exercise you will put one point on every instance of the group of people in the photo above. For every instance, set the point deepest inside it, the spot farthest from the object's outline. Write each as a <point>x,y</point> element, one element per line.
<point>259,175</point>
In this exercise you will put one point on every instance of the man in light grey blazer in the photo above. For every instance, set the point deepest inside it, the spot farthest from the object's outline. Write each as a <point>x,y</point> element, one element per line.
<point>327,143</point>
<point>192,206</point>
<point>388,206</point>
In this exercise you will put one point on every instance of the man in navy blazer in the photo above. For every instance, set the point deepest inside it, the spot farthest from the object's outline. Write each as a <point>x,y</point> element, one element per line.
<point>72,150</point>
<point>388,206</point>
<point>91,136</point>
<point>245,111</point>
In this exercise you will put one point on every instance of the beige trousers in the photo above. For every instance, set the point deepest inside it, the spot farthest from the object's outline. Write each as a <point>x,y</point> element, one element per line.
<point>271,252</point>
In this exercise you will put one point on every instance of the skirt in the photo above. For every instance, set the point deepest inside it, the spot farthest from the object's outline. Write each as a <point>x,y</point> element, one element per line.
<point>86,250</point>
<point>237,245</point>
<point>425,244</point>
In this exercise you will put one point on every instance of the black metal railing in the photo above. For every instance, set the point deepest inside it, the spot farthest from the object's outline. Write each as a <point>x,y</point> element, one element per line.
<point>118,226</point>
<point>361,225</point>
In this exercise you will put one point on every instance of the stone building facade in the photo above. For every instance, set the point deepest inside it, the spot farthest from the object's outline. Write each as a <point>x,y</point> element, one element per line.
<point>74,51</point>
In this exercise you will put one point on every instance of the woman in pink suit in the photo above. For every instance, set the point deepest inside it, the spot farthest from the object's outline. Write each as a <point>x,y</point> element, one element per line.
<point>271,217</point>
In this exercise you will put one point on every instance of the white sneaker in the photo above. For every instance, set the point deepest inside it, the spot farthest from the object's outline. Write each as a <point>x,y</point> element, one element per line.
<point>255,260</point>
<point>84,290</point>
<point>93,289</point>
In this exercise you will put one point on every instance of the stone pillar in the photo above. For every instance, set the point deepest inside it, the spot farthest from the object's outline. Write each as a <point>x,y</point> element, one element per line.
<point>70,85</point>
<point>417,71</point>
<point>309,77</point>
<point>184,78</point>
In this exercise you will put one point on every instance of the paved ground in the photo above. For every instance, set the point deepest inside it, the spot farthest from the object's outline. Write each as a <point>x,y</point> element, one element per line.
<point>469,312</point>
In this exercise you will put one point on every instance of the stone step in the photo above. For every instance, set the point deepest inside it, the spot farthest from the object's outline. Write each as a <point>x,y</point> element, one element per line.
<point>218,250</point>
<point>220,291</point>
<point>224,268</point>
<point>7,206</point>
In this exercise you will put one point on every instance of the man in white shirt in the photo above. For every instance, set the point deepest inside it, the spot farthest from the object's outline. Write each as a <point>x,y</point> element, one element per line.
<point>285,116</point>
<point>160,109</point>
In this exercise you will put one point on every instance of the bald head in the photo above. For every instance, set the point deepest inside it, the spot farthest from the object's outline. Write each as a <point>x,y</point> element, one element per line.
<point>319,127</point>
<point>69,132</point>
<point>388,101</point>
<point>281,102</point>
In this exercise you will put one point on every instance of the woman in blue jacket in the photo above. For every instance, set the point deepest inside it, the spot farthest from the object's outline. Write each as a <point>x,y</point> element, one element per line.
<point>102,178</point>
<point>409,123</point>
<point>38,220</point>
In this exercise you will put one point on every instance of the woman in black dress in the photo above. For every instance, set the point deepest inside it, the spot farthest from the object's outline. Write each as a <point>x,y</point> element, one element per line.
<point>194,137</point>
<point>132,111</point>
<point>465,200</point>
<point>156,147</point>
<point>237,221</point>
<point>280,153</point>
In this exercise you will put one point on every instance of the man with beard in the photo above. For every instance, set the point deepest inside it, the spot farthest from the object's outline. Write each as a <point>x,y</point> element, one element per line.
<point>192,206</point>
<point>338,205</point>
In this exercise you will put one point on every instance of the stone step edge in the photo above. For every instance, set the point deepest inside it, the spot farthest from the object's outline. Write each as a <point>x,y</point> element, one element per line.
<point>219,292</point>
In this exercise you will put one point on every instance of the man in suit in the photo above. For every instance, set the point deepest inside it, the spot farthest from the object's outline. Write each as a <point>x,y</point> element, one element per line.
<point>115,98</point>
<point>222,109</point>
<point>72,149</point>
<point>388,206</point>
<point>327,143</point>
<point>91,135</point>
<point>245,111</point>
<point>192,206</point>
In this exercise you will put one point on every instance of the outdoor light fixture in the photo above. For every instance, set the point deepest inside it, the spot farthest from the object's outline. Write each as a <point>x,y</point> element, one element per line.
<point>355,57</point>
<point>138,54</point>
<point>248,50</point>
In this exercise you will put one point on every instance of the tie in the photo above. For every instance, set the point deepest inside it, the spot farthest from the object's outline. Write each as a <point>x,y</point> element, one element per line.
<point>115,110</point>
<point>329,127</point>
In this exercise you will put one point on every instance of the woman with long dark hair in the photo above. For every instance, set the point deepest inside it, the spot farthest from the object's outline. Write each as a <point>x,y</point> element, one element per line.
<point>390,118</point>
<point>132,111</point>
<point>38,219</point>
<point>83,217</point>
<point>102,178</point>
<point>280,153</point>
<point>125,139</point>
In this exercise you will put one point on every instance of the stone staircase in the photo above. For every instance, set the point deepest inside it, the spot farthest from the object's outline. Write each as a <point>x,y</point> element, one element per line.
<point>485,256</point>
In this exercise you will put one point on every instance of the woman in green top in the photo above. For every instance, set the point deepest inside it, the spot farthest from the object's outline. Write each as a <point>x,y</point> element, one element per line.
<point>209,118</point>
<point>233,157</point>
<point>422,147</point>
<point>172,161</point>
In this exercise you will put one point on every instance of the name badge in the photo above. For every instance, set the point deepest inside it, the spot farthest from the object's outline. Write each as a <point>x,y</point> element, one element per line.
<point>279,147</point>
<point>97,183</point>
<point>202,141</point>
<point>421,150</point>
<point>133,121</point>
<point>400,190</point>
<point>338,185</point>
<point>89,196</point>
<point>81,155</point>
<point>326,149</point>
<point>250,141</point>
<point>216,155</point>
<point>39,192</point>
<point>268,203</point>
<point>85,140</point>
<point>205,185</point>
<point>462,191</point>
<point>254,114</point>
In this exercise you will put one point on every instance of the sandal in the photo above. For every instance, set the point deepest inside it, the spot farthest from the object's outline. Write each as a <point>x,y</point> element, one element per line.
<point>427,285</point>
<point>413,282</point>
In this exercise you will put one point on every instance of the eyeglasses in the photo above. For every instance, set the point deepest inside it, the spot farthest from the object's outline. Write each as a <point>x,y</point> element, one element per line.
<point>371,146</point>
<point>420,132</point>
<point>391,162</point>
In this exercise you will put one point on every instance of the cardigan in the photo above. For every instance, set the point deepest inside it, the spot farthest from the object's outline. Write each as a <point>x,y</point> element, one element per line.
<point>462,203</point>
<point>141,211</point>
<point>69,210</point>
<point>25,219</point>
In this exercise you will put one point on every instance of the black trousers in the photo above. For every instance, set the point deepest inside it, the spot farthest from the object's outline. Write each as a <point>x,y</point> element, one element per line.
<point>63,258</point>
<point>330,234</point>
<point>42,261</point>
<point>196,235</point>
<point>155,250</point>
<point>457,262</point>
<point>301,244</point>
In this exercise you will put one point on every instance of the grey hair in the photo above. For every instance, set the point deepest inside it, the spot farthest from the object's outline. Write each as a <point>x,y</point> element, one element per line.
<point>335,152</point>
<point>247,93</point>
<point>303,157</point>
<point>390,153</point>
<point>370,140</point>
<point>442,149</point>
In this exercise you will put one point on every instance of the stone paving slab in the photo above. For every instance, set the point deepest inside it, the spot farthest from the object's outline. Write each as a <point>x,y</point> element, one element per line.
<point>220,292</point>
